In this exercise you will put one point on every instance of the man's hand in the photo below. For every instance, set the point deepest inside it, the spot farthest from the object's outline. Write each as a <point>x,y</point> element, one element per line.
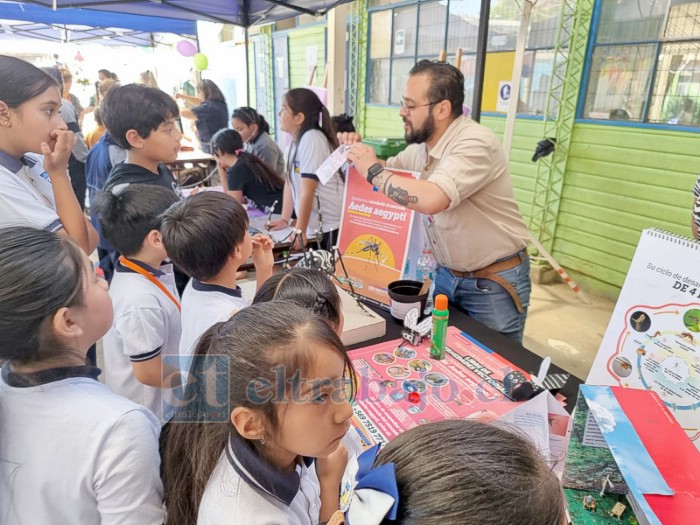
<point>262,252</point>
<point>363,156</point>
<point>348,139</point>
<point>56,157</point>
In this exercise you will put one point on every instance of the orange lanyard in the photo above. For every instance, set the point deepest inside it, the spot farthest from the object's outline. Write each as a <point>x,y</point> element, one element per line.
<point>136,268</point>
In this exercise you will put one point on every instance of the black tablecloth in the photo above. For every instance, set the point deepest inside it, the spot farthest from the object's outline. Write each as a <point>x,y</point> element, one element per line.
<point>505,347</point>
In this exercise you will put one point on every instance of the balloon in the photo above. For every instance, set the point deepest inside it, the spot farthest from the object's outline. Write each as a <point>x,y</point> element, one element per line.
<point>186,48</point>
<point>201,62</point>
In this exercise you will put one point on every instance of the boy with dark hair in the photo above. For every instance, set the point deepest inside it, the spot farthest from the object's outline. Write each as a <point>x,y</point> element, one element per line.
<point>143,121</point>
<point>146,323</point>
<point>207,236</point>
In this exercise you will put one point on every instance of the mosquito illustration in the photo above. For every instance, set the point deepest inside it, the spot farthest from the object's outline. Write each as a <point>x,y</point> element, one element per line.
<point>372,247</point>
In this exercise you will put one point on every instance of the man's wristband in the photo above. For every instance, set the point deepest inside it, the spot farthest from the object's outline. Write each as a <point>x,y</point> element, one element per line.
<point>373,171</point>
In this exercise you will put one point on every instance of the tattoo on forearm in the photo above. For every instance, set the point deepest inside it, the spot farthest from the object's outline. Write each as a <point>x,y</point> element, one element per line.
<point>400,196</point>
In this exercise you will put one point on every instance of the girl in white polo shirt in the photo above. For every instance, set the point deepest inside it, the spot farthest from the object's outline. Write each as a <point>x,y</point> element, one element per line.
<point>318,206</point>
<point>35,144</point>
<point>265,413</point>
<point>71,451</point>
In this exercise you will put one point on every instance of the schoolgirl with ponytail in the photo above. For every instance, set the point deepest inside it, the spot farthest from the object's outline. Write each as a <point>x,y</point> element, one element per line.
<point>307,287</point>
<point>243,175</point>
<point>318,207</point>
<point>278,376</point>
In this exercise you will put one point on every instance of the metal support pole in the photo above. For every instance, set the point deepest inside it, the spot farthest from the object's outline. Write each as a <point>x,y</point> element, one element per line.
<point>482,41</point>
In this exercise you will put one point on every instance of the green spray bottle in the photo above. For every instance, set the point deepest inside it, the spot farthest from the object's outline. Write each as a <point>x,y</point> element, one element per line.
<point>441,317</point>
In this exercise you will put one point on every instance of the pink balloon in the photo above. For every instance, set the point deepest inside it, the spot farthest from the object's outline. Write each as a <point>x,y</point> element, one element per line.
<point>186,48</point>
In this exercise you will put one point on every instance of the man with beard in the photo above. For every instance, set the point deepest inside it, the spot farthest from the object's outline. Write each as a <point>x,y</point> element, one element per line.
<point>464,191</point>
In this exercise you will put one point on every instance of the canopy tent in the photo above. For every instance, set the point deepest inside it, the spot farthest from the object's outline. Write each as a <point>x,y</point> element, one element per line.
<point>85,25</point>
<point>240,12</point>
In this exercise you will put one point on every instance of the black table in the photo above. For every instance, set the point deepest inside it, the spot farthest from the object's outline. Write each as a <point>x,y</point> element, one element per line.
<point>514,352</point>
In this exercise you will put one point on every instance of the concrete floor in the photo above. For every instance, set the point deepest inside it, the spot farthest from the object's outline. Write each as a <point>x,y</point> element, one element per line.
<point>563,327</point>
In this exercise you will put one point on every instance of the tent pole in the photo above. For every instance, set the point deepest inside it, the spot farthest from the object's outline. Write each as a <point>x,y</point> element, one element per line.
<point>247,68</point>
<point>481,45</point>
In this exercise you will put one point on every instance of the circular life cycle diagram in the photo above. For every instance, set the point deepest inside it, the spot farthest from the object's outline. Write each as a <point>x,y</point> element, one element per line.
<point>662,349</point>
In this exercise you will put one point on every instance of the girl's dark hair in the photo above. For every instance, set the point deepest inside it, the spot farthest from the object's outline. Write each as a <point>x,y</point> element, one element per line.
<point>307,287</point>
<point>210,90</point>
<point>471,473</point>
<point>302,100</point>
<point>249,116</point>
<point>40,272</point>
<point>251,347</point>
<point>108,74</point>
<point>343,123</point>
<point>229,141</point>
<point>21,81</point>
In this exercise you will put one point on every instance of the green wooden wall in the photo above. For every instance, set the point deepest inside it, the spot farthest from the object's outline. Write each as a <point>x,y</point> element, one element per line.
<point>619,180</point>
<point>299,41</point>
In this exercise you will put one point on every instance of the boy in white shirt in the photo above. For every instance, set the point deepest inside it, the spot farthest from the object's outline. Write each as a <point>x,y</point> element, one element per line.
<point>146,324</point>
<point>206,235</point>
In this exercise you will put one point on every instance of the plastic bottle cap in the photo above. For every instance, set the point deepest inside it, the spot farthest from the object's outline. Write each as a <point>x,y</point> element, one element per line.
<point>441,302</point>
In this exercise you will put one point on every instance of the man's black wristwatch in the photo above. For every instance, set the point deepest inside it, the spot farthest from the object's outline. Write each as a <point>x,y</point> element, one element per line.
<point>373,171</point>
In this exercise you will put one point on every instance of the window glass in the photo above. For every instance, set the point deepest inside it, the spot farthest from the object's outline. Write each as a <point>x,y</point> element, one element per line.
<point>676,93</point>
<point>631,20</point>
<point>504,24</point>
<point>399,75</point>
<point>544,23</point>
<point>535,82</point>
<point>380,35</point>
<point>683,20</point>
<point>379,81</point>
<point>463,25</point>
<point>405,25</point>
<point>431,31</point>
<point>619,82</point>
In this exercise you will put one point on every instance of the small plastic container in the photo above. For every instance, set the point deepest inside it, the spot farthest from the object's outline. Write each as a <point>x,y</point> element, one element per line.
<point>386,147</point>
<point>403,296</point>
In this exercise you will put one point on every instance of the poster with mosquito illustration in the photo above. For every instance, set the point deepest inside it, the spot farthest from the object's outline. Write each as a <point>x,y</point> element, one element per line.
<point>374,239</point>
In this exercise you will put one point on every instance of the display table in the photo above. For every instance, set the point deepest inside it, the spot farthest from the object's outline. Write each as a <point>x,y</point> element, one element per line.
<point>191,165</point>
<point>503,346</point>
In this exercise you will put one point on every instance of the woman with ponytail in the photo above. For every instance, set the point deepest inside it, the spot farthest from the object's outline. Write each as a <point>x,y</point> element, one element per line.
<point>243,175</point>
<point>318,207</point>
<point>255,132</point>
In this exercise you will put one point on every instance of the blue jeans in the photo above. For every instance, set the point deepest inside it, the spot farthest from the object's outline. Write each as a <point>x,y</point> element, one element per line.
<point>488,302</point>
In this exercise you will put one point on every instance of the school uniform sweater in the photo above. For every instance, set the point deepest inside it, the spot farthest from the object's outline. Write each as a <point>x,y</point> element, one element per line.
<point>146,325</point>
<point>204,305</point>
<point>244,489</point>
<point>26,194</point>
<point>73,451</point>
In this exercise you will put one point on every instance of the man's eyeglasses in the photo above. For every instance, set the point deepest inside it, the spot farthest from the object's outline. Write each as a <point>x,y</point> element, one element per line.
<point>410,107</point>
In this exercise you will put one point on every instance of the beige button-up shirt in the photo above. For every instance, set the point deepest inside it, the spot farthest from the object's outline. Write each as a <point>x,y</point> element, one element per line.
<point>482,223</point>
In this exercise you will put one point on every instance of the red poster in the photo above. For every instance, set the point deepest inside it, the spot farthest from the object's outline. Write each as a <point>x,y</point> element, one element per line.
<point>468,383</point>
<point>374,238</point>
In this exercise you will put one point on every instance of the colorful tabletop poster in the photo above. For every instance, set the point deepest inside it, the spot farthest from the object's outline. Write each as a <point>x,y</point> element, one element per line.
<point>468,383</point>
<point>374,238</point>
<point>653,339</point>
